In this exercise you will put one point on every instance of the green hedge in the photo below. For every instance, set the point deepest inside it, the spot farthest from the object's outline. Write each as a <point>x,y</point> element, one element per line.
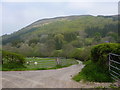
<point>100,53</point>
<point>12,60</point>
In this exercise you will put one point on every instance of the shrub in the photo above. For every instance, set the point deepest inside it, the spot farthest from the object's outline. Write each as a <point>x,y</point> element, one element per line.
<point>100,53</point>
<point>97,68</point>
<point>12,60</point>
<point>10,66</point>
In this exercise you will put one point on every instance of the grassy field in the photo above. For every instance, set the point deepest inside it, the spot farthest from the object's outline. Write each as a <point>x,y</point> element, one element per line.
<point>43,64</point>
<point>48,63</point>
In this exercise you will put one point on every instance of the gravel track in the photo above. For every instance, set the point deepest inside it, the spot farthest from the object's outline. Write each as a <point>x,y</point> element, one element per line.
<point>57,78</point>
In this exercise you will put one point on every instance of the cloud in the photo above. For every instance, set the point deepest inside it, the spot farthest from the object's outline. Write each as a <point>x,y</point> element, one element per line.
<point>18,15</point>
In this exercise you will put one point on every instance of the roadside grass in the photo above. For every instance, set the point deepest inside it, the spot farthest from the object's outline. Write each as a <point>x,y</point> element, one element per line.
<point>43,64</point>
<point>93,72</point>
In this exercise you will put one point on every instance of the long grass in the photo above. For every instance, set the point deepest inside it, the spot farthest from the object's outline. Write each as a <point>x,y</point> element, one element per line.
<point>94,73</point>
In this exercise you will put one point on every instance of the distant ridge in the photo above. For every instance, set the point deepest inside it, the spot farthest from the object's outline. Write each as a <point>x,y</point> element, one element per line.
<point>59,25</point>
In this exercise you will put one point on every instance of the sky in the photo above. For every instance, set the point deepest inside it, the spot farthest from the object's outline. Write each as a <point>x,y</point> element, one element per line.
<point>16,14</point>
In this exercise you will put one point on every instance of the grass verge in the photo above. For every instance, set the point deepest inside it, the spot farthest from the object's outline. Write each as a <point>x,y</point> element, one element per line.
<point>26,69</point>
<point>93,72</point>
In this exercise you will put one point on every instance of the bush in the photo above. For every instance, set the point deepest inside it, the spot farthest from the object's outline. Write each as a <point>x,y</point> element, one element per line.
<point>10,66</point>
<point>97,69</point>
<point>100,53</point>
<point>12,60</point>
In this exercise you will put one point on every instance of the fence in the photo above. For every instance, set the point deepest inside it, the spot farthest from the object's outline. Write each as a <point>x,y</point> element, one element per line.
<point>114,66</point>
<point>36,62</point>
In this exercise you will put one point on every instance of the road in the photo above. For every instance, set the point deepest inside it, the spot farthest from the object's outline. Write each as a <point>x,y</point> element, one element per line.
<point>57,78</point>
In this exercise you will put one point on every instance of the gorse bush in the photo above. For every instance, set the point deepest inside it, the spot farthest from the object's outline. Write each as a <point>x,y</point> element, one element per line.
<point>100,53</point>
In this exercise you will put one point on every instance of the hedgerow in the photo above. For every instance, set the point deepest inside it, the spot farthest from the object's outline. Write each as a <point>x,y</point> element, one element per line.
<point>12,60</point>
<point>100,53</point>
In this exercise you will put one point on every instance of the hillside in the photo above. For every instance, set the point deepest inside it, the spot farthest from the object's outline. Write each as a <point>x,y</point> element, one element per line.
<point>47,37</point>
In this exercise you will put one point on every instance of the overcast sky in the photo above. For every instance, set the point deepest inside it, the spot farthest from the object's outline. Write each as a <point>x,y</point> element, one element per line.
<point>20,13</point>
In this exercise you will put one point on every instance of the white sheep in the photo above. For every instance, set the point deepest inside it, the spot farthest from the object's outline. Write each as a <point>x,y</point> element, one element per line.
<point>27,63</point>
<point>35,63</point>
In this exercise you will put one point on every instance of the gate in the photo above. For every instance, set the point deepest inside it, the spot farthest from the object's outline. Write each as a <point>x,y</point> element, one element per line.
<point>114,66</point>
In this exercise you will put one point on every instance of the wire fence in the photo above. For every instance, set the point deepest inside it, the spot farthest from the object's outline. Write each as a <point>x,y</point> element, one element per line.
<point>36,62</point>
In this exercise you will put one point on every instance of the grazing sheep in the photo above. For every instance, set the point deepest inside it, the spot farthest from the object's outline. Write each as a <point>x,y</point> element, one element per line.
<point>35,63</point>
<point>27,63</point>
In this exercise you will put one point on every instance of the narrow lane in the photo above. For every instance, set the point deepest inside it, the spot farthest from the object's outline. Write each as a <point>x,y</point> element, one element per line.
<point>57,78</point>
<point>41,78</point>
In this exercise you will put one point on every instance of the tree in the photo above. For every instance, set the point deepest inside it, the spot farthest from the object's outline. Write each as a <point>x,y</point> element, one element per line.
<point>59,38</point>
<point>57,53</point>
<point>36,50</point>
<point>35,41</point>
<point>47,48</point>
<point>69,36</point>
<point>97,38</point>
<point>88,41</point>
<point>67,50</point>
<point>26,50</point>
<point>50,46</point>
<point>113,35</point>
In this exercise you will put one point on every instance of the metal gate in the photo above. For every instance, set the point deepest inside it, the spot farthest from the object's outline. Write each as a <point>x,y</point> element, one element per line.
<point>114,66</point>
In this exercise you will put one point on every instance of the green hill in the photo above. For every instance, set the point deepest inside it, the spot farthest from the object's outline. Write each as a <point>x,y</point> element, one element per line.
<point>47,37</point>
